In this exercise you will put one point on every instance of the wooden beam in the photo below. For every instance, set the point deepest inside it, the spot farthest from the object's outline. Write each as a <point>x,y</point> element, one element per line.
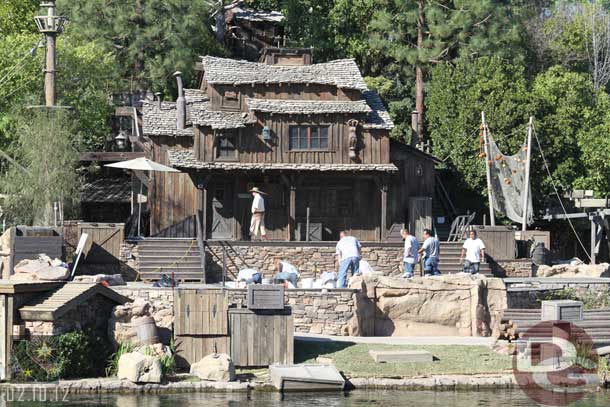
<point>201,220</point>
<point>110,156</point>
<point>384,210</point>
<point>292,213</point>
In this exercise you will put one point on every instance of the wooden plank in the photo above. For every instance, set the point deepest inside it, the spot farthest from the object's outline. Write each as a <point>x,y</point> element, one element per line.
<point>4,361</point>
<point>289,346</point>
<point>9,311</point>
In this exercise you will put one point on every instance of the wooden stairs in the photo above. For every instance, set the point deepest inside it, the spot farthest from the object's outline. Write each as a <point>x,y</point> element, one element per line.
<point>176,257</point>
<point>450,259</point>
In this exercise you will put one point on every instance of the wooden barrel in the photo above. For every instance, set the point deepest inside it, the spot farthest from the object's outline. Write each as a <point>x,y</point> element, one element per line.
<point>146,329</point>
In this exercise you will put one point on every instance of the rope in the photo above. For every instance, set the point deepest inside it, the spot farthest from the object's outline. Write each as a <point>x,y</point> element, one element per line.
<point>160,268</point>
<point>546,166</point>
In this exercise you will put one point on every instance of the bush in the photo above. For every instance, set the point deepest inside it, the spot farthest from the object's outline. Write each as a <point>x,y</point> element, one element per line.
<point>72,355</point>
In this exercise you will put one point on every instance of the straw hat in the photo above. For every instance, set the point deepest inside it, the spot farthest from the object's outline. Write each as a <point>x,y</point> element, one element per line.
<point>258,191</point>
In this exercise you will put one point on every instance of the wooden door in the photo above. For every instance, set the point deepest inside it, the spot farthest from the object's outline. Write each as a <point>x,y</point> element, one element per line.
<point>420,215</point>
<point>200,312</point>
<point>222,225</point>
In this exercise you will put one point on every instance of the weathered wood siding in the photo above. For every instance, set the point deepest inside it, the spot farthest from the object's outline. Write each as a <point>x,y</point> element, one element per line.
<point>106,240</point>
<point>172,197</point>
<point>374,146</point>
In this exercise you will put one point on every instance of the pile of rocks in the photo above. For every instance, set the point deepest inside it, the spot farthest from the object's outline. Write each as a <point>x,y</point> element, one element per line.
<point>41,269</point>
<point>120,325</point>
<point>574,270</point>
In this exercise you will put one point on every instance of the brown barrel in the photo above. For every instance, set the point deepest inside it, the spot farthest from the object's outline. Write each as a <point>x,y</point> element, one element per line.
<point>146,329</point>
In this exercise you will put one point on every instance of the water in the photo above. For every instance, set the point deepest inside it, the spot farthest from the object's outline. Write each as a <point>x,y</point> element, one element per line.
<point>497,398</point>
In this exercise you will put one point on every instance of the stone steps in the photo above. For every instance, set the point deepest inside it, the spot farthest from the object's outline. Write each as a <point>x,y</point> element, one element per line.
<point>177,257</point>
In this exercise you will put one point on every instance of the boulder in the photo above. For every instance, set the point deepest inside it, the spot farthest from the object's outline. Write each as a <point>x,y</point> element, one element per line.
<point>574,270</point>
<point>217,367</point>
<point>139,368</point>
<point>41,269</point>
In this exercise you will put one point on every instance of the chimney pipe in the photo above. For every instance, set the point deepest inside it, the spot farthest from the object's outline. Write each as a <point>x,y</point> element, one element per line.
<point>180,103</point>
<point>159,98</point>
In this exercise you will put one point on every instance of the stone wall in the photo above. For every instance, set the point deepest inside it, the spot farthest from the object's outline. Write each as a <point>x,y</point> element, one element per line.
<point>385,258</point>
<point>128,258</point>
<point>512,268</point>
<point>328,312</point>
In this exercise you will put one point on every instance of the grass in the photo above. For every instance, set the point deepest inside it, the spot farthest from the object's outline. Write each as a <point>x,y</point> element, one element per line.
<point>354,360</point>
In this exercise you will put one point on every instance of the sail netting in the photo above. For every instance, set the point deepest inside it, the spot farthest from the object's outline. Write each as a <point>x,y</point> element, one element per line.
<point>508,182</point>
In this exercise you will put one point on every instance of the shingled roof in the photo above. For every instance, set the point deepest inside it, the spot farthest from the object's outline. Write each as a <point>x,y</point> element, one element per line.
<point>115,189</point>
<point>186,159</point>
<point>342,73</point>
<point>281,106</point>
<point>248,14</point>
<point>378,118</point>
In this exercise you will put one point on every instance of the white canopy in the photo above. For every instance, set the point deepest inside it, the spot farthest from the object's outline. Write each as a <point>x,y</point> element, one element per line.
<point>142,164</point>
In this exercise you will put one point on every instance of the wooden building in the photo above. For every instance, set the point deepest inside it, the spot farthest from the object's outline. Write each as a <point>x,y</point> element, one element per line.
<point>312,136</point>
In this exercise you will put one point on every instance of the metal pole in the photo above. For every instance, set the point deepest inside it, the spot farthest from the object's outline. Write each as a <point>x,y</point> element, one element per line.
<point>140,206</point>
<point>49,73</point>
<point>526,179</point>
<point>492,217</point>
<point>593,239</point>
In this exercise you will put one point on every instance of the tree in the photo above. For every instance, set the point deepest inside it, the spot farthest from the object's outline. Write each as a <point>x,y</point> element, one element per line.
<point>17,17</point>
<point>46,153</point>
<point>86,79</point>
<point>457,96</point>
<point>416,35</point>
<point>150,39</point>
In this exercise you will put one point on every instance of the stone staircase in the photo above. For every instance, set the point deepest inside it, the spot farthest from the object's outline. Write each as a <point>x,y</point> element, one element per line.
<point>450,259</point>
<point>177,257</point>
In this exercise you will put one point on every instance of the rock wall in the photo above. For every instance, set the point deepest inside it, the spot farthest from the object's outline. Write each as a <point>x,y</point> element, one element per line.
<point>512,268</point>
<point>449,305</point>
<point>328,312</point>
<point>384,258</point>
<point>570,271</point>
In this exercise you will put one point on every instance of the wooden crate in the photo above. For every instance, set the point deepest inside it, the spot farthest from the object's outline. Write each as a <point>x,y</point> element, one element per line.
<point>261,338</point>
<point>200,312</point>
<point>265,296</point>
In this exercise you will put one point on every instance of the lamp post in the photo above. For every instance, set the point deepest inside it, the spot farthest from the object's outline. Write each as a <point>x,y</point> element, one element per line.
<point>51,26</point>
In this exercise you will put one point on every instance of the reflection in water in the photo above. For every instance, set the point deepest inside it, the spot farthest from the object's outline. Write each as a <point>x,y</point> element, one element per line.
<point>395,398</point>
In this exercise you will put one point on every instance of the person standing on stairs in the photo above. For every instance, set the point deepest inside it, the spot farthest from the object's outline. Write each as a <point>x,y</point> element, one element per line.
<point>474,249</point>
<point>257,224</point>
<point>431,252</point>
<point>410,254</point>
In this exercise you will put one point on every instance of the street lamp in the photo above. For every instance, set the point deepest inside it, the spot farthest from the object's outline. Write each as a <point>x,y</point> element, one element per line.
<point>121,141</point>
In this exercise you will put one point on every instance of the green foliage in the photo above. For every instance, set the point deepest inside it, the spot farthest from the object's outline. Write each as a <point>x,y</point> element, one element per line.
<point>44,172</point>
<point>112,366</point>
<point>590,300</point>
<point>149,42</point>
<point>17,16</point>
<point>72,355</point>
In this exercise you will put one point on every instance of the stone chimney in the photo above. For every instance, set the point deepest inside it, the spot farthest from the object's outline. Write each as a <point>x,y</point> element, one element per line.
<point>180,103</point>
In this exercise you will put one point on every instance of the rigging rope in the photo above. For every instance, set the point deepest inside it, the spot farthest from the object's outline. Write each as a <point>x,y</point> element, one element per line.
<point>546,166</point>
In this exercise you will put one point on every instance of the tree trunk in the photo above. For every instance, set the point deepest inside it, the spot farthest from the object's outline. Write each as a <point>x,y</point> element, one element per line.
<point>419,73</point>
<point>140,59</point>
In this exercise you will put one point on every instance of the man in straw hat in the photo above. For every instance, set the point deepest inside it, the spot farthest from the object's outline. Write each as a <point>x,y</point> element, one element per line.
<point>257,224</point>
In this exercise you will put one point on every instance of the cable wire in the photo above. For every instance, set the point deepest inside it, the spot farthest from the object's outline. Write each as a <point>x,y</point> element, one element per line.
<point>546,166</point>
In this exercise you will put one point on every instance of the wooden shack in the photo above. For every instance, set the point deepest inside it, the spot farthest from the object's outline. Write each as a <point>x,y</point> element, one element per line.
<point>312,136</point>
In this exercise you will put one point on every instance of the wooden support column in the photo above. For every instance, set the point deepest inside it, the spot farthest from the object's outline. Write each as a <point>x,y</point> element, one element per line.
<point>202,221</point>
<point>292,215</point>
<point>384,209</point>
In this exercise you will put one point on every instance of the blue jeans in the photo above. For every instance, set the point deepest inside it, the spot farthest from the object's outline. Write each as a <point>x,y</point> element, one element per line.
<point>256,279</point>
<point>283,276</point>
<point>409,268</point>
<point>431,266</point>
<point>472,268</point>
<point>352,263</point>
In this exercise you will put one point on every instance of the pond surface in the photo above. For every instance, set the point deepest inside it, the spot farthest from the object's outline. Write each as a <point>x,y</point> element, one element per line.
<point>498,398</point>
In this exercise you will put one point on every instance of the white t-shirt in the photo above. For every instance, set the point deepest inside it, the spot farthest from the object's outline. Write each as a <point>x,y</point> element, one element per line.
<point>411,248</point>
<point>258,203</point>
<point>348,247</point>
<point>473,249</point>
<point>289,268</point>
<point>246,274</point>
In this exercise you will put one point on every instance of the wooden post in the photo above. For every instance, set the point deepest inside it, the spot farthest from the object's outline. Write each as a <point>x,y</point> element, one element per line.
<point>526,180</point>
<point>201,221</point>
<point>492,217</point>
<point>384,209</point>
<point>593,238</point>
<point>292,214</point>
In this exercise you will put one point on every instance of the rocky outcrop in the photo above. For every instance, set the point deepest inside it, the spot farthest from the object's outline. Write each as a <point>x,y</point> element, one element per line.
<point>574,270</point>
<point>217,367</point>
<point>42,269</point>
<point>120,325</point>
<point>459,305</point>
<point>139,368</point>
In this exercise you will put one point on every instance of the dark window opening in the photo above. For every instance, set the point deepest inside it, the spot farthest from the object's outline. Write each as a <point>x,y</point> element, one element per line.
<point>225,149</point>
<point>308,138</point>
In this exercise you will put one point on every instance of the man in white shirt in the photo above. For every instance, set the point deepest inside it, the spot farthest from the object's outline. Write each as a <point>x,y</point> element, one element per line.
<point>431,251</point>
<point>474,248</point>
<point>348,254</point>
<point>257,224</point>
<point>410,256</point>
<point>285,272</point>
